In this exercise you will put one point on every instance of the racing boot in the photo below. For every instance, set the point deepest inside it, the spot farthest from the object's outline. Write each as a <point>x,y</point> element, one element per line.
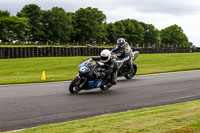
<point>106,87</point>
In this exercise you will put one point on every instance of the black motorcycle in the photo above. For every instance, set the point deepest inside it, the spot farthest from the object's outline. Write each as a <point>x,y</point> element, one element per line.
<point>91,74</point>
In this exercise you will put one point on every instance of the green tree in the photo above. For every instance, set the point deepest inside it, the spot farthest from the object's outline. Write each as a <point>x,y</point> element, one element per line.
<point>133,31</point>
<point>88,25</point>
<point>46,15</point>
<point>34,15</point>
<point>4,13</point>
<point>129,29</point>
<point>59,25</point>
<point>13,28</point>
<point>119,30</point>
<point>174,36</point>
<point>151,34</point>
<point>111,33</point>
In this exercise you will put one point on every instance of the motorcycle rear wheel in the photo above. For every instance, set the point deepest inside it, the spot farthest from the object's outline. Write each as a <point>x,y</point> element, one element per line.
<point>74,86</point>
<point>131,73</point>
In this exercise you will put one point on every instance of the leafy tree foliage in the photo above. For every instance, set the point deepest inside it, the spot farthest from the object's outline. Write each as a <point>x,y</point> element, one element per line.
<point>88,24</point>
<point>129,29</point>
<point>13,28</point>
<point>57,24</point>
<point>111,33</point>
<point>119,29</point>
<point>174,35</point>
<point>134,32</point>
<point>151,34</point>
<point>34,15</point>
<point>46,18</point>
<point>4,13</point>
<point>85,25</point>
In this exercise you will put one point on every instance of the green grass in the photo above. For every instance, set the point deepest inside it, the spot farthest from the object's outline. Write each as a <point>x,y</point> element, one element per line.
<point>43,45</point>
<point>30,45</point>
<point>28,70</point>
<point>176,118</point>
<point>160,63</point>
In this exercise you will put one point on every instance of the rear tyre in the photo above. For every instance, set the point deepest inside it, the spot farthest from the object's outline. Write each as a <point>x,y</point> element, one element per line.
<point>74,86</point>
<point>132,72</point>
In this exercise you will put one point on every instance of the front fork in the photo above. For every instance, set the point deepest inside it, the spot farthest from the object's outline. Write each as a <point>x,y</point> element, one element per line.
<point>81,78</point>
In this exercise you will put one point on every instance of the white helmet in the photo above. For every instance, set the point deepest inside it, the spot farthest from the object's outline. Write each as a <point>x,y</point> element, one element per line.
<point>105,55</point>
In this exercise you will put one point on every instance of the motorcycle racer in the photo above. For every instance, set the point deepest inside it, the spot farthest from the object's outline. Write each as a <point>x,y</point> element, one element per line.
<point>124,50</point>
<point>111,68</point>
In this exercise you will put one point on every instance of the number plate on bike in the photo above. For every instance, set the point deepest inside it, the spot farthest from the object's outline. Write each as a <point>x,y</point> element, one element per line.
<point>84,69</point>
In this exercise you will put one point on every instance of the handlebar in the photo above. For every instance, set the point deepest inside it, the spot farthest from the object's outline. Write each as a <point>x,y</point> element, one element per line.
<point>86,61</point>
<point>115,55</point>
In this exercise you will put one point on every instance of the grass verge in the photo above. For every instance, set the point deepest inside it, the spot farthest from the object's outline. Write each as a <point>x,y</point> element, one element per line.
<point>29,70</point>
<point>176,118</point>
<point>62,45</point>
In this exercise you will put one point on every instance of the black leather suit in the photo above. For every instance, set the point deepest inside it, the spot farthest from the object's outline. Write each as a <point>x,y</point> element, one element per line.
<point>111,70</point>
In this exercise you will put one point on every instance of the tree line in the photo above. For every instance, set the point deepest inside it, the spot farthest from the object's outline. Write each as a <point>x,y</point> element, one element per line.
<point>86,25</point>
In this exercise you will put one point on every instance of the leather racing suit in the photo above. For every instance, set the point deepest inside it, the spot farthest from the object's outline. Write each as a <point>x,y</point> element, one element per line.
<point>125,52</point>
<point>111,70</point>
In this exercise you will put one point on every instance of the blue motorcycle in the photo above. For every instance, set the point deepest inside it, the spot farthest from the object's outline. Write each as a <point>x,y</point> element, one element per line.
<point>90,76</point>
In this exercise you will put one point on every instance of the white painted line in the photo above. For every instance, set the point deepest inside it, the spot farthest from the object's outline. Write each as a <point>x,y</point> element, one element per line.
<point>15,130</point>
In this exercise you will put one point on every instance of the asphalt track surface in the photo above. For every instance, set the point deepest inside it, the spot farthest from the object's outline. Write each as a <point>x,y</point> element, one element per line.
<point>29,105</point>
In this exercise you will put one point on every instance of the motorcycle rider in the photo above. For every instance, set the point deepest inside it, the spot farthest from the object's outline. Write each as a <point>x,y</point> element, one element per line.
<point>110,66</point>
<point>125,51</point>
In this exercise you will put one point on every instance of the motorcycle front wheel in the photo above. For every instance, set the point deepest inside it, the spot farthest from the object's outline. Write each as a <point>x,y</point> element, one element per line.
<point>74,86</point>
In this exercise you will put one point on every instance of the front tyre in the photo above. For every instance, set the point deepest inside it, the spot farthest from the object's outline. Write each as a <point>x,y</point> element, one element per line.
<point>132,72</point>
<point>74,86</point>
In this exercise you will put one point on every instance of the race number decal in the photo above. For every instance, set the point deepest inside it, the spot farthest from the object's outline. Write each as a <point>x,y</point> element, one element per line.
<point>84,69</point>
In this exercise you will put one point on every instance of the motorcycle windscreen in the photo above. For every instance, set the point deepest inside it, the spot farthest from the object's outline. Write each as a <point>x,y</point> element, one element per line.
<point>135,55</point>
